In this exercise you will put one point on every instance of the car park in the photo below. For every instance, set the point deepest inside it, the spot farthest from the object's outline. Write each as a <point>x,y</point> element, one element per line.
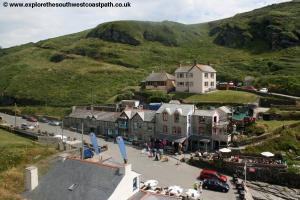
<point>211,174</point>
<point>216,185</point>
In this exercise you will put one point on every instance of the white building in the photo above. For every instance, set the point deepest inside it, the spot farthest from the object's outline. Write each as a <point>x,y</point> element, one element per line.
<point>195,79</point>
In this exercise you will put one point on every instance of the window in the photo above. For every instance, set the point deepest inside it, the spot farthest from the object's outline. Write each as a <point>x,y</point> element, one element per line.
<point>135,125</point>
<point>174,130</point>
<point>176,117</point>
<point>178,130</point>
<point>191,84</point>
<point>212,75</point>
<point>200,130</point>
<point>186,83</point>
<point>206,75</point>
<point>212,84</point>
<point>165,129</point>
<point>165,116</point>
<point>201,119</point>
<point>149,126</point>
<point>180,75</point>
<point>135,184</point>
<point>180,84</point>
<point>190,75</point>
<point>139,125</point>
<point>205,83</point>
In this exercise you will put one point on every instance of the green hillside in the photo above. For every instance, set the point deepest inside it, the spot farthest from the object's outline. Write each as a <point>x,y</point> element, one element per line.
<point>101,62</point>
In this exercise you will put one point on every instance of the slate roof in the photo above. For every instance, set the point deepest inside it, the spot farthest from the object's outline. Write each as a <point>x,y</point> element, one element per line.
<point>92,182</point>
<point>159,76</point>
<point>184,108</point>
<point>183,69</point>
<point>99,115</point>
<point>204,68</point>
<point>206,113</point>
<point>146,115</point>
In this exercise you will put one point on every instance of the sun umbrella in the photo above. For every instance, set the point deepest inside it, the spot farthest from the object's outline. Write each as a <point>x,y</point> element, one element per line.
<point>151,183</point>
<point>267,154</point>
<point>225,150</point>
<point>192,193</point>
<point>175,190</point>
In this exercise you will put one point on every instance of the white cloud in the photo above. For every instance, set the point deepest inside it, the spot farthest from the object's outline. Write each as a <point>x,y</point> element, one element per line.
<point>22,25</point>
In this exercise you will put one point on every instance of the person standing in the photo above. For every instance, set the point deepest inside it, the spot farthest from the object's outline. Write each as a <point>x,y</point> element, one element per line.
<point>200,187</point>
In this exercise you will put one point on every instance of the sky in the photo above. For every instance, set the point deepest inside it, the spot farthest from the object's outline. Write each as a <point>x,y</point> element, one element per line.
<point>23,25</point>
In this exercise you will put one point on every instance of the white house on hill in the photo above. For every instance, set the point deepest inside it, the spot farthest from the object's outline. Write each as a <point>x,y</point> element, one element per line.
<point>195,79</point>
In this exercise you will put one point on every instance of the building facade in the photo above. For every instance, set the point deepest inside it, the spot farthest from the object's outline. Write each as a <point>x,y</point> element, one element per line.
<point>209,130</point>
<point>173,121</point>
<point>137,124</point>
<point>160,81</point>
<point>195,79</point>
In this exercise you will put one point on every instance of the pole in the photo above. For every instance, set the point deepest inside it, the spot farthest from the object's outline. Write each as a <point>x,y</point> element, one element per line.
<point>15,115</point>
<point>62,132</point>
<point>82,145</point>
<point>245,171</point>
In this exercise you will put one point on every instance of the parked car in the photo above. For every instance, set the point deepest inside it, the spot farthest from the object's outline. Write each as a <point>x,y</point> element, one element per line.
<point>32,119</point>
<point>216,185</point>
<point>250,88</point>
<point>264,90</point>
<point>25,126</point>
<point>211,174</point>
<point>25,117</point>
<point>44,120</point>
<point>54,123</point>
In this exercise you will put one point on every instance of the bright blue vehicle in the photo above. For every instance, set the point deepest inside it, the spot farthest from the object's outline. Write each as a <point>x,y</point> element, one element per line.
<point>88,153</point>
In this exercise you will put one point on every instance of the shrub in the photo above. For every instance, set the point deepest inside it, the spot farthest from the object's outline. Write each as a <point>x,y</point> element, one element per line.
<point>57,57</point>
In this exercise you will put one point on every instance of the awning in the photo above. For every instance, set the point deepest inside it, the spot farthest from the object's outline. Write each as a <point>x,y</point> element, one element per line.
<point>180,140</point>
<point>171,138</point>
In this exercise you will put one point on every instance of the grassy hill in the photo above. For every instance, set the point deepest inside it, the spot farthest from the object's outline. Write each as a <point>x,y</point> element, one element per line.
<point>99,63</point>
<point>16,154</point>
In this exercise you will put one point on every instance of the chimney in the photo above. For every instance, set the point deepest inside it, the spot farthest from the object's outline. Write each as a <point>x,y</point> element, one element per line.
<point>31,178</point>
<point>195,62</point>
<point>73,108</point>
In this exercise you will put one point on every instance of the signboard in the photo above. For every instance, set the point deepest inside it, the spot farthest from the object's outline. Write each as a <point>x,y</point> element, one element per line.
<point>94,142</point>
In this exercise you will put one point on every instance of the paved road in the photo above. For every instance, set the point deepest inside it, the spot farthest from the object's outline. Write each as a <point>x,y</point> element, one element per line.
<point>167,173</point>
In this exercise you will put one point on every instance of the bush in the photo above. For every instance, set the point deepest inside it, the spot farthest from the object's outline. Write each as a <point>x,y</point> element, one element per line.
<point>57,57</point>
<point>256,129</point>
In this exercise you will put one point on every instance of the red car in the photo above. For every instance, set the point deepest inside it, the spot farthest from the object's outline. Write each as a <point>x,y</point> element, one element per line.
<point>211,174</point>
<point>250,88</point>
<point>32,119</point>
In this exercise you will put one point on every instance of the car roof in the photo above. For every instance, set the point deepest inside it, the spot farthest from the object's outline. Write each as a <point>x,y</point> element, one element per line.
<point>208,171</point>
